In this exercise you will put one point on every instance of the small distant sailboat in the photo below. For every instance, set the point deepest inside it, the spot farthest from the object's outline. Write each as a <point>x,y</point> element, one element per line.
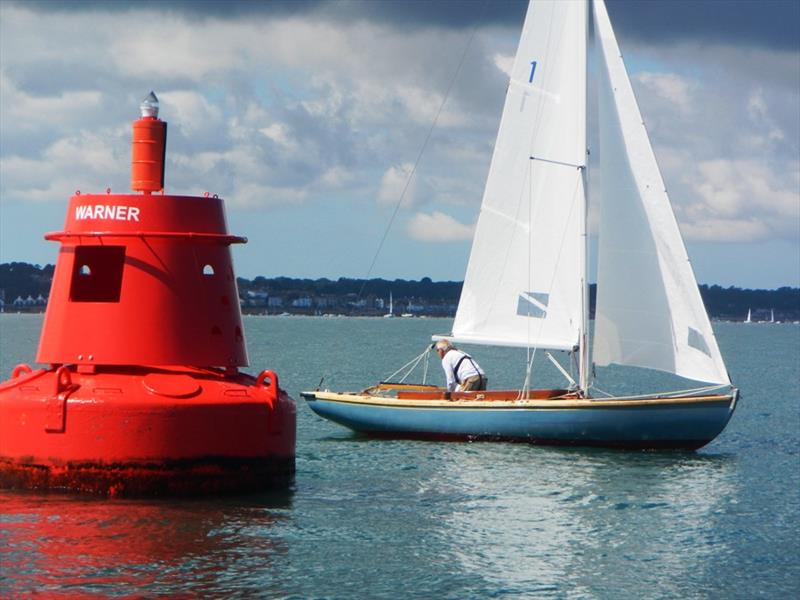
<point>390,314</point>
<point>526,283</point>
<point>748,319</point>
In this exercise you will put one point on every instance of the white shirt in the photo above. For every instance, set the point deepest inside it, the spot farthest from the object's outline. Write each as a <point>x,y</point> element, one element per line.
<point>468,368</point>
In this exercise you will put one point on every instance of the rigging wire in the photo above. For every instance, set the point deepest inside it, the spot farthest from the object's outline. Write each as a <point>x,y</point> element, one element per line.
<point>424,146</point>
<point>411,365</point>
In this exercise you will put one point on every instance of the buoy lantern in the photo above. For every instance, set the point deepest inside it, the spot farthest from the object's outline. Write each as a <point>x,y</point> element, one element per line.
<point>143,337</point>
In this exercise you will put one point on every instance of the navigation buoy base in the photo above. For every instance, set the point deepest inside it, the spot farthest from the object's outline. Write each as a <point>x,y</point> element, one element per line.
<point>139,431</point>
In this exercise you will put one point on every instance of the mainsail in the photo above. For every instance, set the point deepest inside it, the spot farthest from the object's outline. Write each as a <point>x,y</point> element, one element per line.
<point>524,284</point>
<point>649,311</point>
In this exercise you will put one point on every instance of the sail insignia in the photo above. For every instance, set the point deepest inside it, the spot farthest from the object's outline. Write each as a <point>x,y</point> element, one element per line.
<point>698,342</point>
<point>532,304</point>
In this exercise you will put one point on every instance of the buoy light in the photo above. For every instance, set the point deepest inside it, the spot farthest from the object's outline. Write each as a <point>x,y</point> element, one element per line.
<point>149,106</point>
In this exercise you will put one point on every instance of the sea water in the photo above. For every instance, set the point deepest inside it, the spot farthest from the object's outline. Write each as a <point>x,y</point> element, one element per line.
<point>405,519</point>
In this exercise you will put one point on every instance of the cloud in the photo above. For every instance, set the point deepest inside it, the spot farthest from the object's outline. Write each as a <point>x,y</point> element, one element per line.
<point>280,135</point>
<point>770,24</point>
<point>87,161</point>
<point>191,112</point>
<point>397,185</point>
<point>504,62</point>
<point>336,177</point>
<point>760,116</point>
<point>438,227</point>
<point>669,86</point>
<point>727,140</point>
<point>740,201</point>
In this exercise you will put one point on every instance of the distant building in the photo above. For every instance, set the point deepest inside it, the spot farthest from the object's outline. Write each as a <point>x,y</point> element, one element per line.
<point>304,302</point>
<point>362,303</point>
<point>256,298</point>
<point>415,307</point>
<point>327,301</point>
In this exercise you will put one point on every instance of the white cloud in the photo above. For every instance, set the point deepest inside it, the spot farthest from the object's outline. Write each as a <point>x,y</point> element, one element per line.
<point>741,200</point>
<point>395,185</point>
<point>671,87</point>
<point>760,116</point>
<point>504,62</point>
<point>253,195</point>
<point>87,161</point>
<point>36,112</point>
<point>336,177</point>
<point>279,133</point>
<point>190,111</point>
<point>438,227</point>
<point>727,143</point>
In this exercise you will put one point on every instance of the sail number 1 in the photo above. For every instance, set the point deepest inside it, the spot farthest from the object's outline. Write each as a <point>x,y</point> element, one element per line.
<point>533,69</point>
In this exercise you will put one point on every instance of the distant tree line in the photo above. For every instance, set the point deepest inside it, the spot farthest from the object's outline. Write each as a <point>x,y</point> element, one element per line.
<point>22,279</point>
<point>432,291</point>
<point>733,303</point>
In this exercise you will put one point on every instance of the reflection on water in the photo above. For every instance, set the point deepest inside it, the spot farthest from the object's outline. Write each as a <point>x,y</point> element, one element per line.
<point>550,520</point>
<point>108,548</point>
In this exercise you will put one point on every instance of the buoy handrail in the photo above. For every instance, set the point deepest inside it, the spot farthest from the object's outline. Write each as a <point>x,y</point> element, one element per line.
<point>273,389</point>
<point>223,238</point>
<point>21,369</point>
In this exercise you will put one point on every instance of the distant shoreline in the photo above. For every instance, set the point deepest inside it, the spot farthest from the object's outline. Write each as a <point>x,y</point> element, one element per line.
<point>25,287</point>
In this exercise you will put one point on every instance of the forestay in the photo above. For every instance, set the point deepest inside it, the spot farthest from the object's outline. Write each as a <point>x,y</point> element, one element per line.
<point>524,282</point>
<point>649,310</point>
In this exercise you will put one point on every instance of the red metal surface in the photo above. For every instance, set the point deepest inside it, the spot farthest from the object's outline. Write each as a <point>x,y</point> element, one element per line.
<point>123,431</point>
<point>162,300</point>
<point>144,283</point>
<point>148,151</point>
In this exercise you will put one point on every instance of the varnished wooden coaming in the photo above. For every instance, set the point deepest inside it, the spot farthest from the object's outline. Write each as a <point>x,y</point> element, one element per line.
<point>511,399</point>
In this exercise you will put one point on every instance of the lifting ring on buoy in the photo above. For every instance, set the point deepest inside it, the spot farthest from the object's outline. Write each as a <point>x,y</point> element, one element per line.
<point>21,369</point>
<point>63,379</point>
<point>272,386</point>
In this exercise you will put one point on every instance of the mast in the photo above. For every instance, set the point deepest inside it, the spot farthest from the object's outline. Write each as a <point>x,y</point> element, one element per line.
<point>583,340</point>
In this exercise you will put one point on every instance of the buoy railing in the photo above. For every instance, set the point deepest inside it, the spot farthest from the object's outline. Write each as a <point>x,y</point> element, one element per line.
<point>222,238</point>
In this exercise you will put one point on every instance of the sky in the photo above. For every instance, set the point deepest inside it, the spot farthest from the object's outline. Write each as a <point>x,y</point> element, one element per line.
<point>307,117</point>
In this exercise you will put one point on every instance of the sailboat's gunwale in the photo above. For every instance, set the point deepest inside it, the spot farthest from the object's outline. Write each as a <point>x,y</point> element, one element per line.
<point>472,400</point>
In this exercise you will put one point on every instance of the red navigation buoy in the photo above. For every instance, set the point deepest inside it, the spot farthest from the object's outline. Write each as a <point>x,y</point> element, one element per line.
<point>143,336</point>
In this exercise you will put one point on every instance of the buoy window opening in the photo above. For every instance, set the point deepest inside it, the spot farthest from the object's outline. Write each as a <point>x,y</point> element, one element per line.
<point>97,274</point>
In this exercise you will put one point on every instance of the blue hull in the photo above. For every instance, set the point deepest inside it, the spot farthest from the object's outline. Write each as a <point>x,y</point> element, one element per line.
<point>640,424</point>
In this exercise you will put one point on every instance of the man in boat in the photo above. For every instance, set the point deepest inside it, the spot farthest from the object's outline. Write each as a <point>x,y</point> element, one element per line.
<point>460,369</point>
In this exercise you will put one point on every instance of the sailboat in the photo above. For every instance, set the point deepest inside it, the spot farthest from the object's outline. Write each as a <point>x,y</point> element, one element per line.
<point>390,314</point>
<point>526,283</point>
<point>748,319</point>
